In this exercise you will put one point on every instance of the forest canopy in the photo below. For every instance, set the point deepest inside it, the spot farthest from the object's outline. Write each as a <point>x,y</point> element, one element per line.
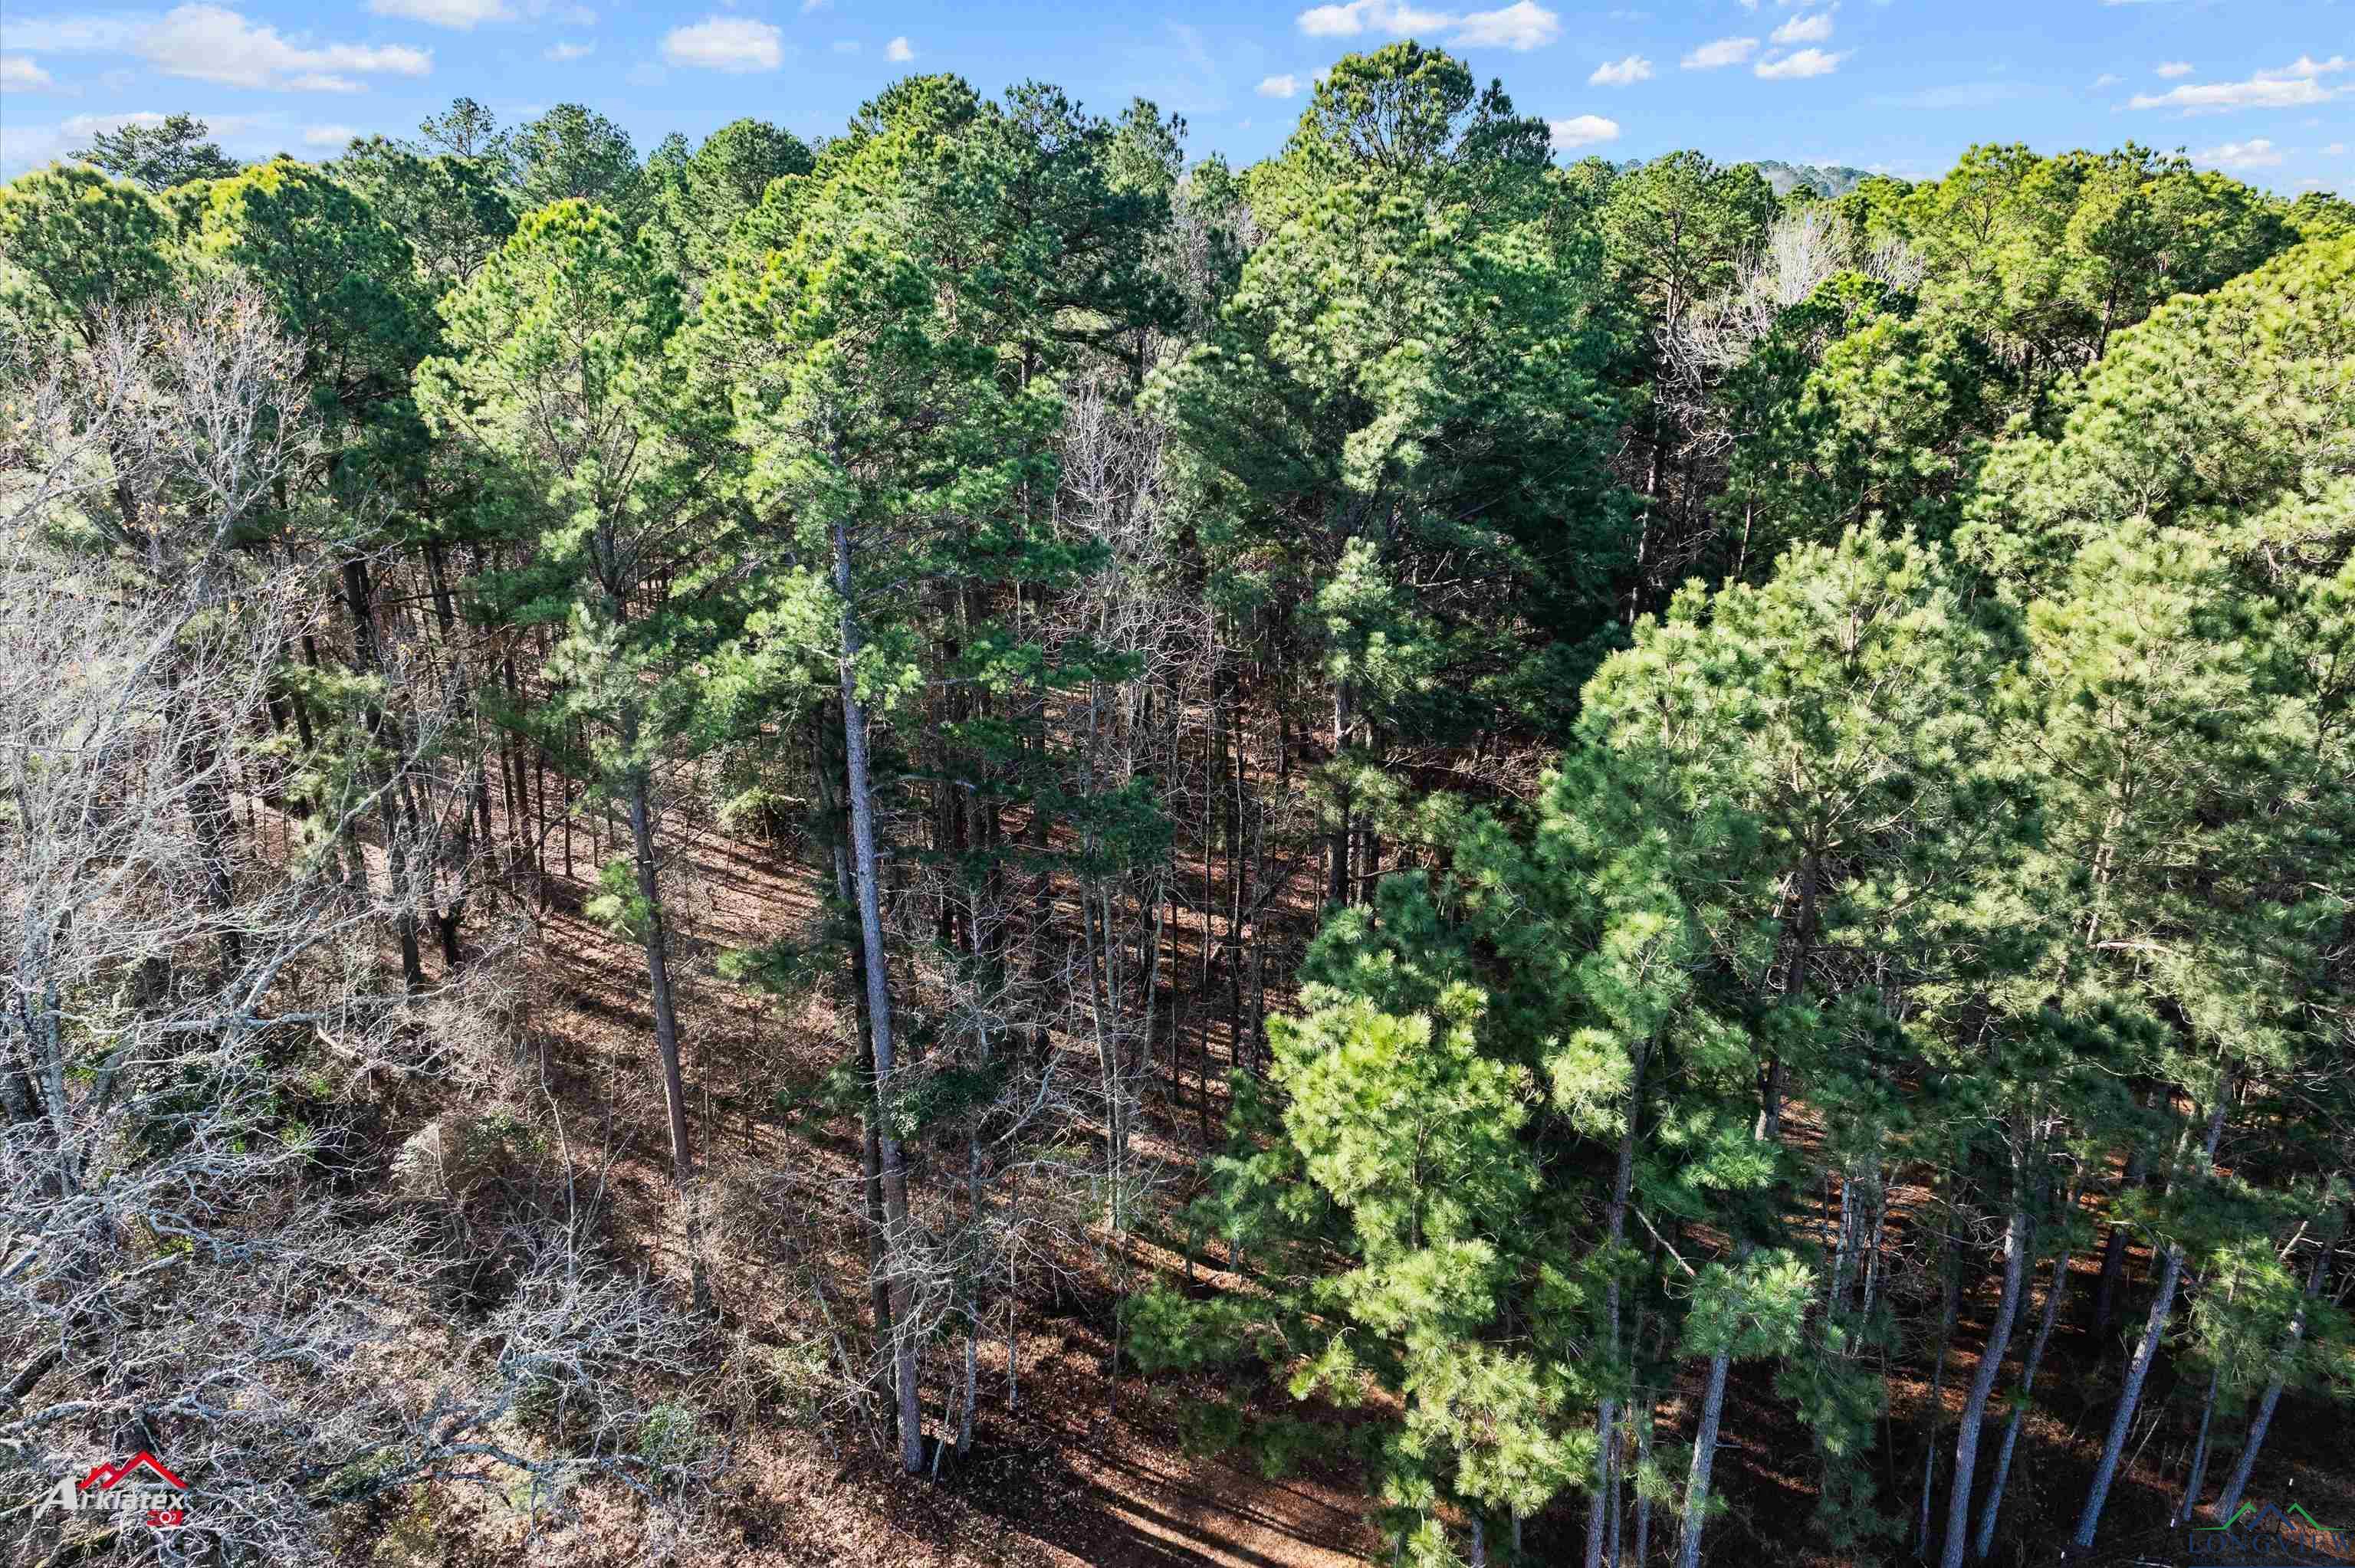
<point>1549,824</point>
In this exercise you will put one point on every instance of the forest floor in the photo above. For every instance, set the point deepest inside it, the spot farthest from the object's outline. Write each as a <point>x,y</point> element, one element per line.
<point>1080,1469</point>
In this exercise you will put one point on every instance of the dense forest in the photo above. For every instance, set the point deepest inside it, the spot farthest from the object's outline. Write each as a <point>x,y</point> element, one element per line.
<point>1589,851</point>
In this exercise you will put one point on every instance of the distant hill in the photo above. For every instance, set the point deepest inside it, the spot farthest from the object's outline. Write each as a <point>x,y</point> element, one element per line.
<point>1825,180</point>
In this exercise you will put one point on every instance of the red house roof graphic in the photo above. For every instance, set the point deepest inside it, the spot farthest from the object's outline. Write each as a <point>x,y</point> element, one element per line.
<point>105,1476</point>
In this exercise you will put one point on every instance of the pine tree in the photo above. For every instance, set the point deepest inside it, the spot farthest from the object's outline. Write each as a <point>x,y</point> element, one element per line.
<point>558,380</point>
<point>1403,381</point>
<point>2180,652</point>
<point>693,205</point>
<point>875,424</point>
<point>158,156</point>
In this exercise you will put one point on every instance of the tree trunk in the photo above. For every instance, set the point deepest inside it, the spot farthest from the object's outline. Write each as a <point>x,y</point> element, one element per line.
<point>1994,1504</point>
<point>1713,1410</point>
<point>657,943</point>
<point>866,863</point>
<point>833,811</point>
<point>1937,1402</point>
<point>2114,1249</point>
<point>2138,1369</point>
<point>1337,868</point>
<point>2198,1479</point>
<point>1967,1438</point>
<point>2264,1416</point>
<point>1603,1505</point>
<point>1643,1492</point>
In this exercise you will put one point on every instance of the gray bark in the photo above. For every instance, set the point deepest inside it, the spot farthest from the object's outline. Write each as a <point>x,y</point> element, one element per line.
<point>642,838</point>
<point>1712,1409</point>
<point>1643,1498</point>
<point>1605,1501</point>
<point>2263,1415</point>
<point>2198,1479</point>
<point>1966,1439</point>
<point>1337,868</point>
<point>2154,1329</point>
<point>1937,1403</point>
<point>866,863</point>
<point>2114,1250</point>
<point>1993,1507</point>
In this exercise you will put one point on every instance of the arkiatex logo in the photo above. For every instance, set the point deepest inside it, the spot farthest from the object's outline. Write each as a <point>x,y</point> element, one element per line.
<point>138,1486</point>
<point>2265,1534</point>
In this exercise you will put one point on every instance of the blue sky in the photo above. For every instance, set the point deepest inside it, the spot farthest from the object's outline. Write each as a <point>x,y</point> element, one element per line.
<point>2264,88</point>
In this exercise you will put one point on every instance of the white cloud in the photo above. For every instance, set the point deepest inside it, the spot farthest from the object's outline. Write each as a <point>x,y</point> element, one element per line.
<point>213,43</point>
<point>1722,52</point>
<point>898,50</point>
<point>1803,63</point>
<point>1283,86</point>
<point>1521,26</point>
<point>2107,78</point>
<point>2218,97</point>
<point>732,44</point>
<point>1812,29</point>
<point>1621,73</point>
<point>1354,17</point>
<point>1582,131</point>
<point>810,5</point>
<point>2307,66</point>
<point>566,50</point>
<point>2171,69</point>
<point>2255,153</point>
<point>330,136</point>
<point>19,71</point>
<point>463,15</point>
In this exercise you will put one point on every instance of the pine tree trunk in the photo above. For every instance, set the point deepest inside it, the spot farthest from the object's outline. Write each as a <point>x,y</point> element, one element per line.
<point>870,1116</point>
<point>1337,869</point>
<point>1618,1483</point>
<point>2263,1415</point>
<point>1643,1496</point>
<point>1603,1504</point>
<point>1937,1402</point>
<point>1993,1507</point>
<point>2114,1251</point>
<point>2138,1369</point>
<point>866,864</point>
<point>1966,1439</point>
<point>658,944</point>
<point>2198,1479</point>
<point>1713,1410</point>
